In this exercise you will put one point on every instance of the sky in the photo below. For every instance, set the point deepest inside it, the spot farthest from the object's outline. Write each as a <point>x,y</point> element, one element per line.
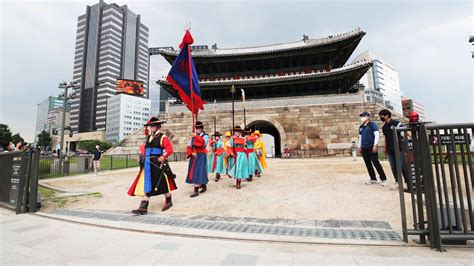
<point>425,41</point>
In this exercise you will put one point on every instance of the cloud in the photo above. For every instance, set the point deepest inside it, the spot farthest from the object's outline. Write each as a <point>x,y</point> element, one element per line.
<point>425,41</point>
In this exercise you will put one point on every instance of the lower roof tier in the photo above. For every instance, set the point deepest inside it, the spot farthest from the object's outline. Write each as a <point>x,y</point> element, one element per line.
<point>336,81</point>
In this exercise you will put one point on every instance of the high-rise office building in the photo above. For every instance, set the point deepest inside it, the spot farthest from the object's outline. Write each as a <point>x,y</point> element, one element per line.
<point>111,44</point>
<point>382,80</point>
<point>45,111</point>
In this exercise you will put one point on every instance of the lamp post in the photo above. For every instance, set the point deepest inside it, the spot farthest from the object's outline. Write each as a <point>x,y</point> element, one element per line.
<point>65,96</point>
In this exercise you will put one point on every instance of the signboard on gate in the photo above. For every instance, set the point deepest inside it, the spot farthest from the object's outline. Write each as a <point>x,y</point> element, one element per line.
<point>448,140</point>
<point>15,179</point>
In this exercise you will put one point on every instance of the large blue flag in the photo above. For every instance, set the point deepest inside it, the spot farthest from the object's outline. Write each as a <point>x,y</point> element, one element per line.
<point>182,73</point>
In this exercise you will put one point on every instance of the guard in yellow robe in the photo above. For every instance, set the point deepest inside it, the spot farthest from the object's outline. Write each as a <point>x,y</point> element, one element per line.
<point>260,150</point>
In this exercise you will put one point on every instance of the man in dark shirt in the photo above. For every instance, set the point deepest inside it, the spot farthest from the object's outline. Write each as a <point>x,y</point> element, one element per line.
<point>389,150</point>
<point>97,158</point>
<point>368,146</point>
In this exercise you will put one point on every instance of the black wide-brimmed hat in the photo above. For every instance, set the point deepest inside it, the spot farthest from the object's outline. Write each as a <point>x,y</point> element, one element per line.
<point>154,121</point>
<point>247,130</point>
<point>237,128</point>
<point>199,124</point>
<point>217,134</point>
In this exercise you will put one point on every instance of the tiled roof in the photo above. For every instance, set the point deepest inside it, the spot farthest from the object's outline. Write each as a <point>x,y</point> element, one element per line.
<point>270,48</point>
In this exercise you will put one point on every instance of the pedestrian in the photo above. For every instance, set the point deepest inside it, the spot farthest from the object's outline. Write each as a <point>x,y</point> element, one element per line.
<point>216,161</point>
<point>98,155</point>
<point>11,146</point>
<point>254,164</point>
<point>389,149</point>
<point>197,152</point>
<point>286,152</point>
<point>155,176</point>
<point>368,147</point>
<point>240,168</point>
<point>354,151</point>
<point>260,151</point>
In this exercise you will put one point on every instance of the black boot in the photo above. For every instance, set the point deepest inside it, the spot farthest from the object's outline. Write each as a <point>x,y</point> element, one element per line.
<point>250,178</point>
<point>237,185</point>
<point>218,176</point>
<point>168,204</point>
<point>203,188</point>
<point>142,209</point>
<point>196,192</point>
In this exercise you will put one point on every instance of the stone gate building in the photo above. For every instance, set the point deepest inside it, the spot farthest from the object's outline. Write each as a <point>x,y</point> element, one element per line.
<point>303,93</point>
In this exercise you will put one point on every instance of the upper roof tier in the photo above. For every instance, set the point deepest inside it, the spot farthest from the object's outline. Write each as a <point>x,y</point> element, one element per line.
<point>334,50</point>
<point>340,80</point>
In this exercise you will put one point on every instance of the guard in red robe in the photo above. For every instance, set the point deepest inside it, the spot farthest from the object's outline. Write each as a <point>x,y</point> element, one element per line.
<point>155,176</point>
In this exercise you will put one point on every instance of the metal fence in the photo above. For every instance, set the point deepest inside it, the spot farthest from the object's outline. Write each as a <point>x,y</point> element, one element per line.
<point>49,166</point>
<point>19,180</point>
<point>440,183</point>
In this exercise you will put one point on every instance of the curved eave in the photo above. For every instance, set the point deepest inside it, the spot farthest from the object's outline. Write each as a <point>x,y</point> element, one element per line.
<point>357,69</point>
<point>313,43</point>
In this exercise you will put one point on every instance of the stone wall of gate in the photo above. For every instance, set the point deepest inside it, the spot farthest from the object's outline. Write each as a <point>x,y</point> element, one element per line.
<point>312,127</point>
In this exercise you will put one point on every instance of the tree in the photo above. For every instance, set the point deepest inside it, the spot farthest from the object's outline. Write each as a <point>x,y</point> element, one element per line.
<point>44,139</point>
<point>89,145</point>
<point>5,135</point>
<point>17,138</point>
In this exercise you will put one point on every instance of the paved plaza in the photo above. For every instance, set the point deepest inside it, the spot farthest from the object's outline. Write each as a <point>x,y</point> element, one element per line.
<point>31,239</point>
<point>301,211</point>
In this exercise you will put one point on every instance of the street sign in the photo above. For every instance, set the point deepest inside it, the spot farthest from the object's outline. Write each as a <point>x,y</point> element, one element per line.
<point>447,140</point>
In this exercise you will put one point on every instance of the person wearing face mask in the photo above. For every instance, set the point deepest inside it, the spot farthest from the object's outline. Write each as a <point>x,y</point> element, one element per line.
<point>389,149</point>
<point>155,176</point>
<point>197,152</point>
<point>97,159</point>
<point>368,147</point>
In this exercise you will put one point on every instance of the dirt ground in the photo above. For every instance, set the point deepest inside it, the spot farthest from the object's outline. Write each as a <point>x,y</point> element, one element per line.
<point>330,188</point>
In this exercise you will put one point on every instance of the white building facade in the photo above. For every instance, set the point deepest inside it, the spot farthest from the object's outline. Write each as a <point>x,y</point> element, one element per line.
<point>125,114</point>
<point>383,78</point>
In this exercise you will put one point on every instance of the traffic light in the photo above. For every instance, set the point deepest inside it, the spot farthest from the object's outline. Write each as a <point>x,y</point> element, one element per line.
<point>55,131</point>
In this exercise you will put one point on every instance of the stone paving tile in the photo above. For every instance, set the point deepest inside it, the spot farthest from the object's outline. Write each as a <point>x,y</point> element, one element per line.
<point>377,224</point>
<point>29,228</point>
<point>352,224</point>
<point>169,246</point>
<point>239,259</point>
<point>403,261</point>
<point>305,259</point>
<point>339,260</point>
<point>329,223</point>
<point>370,260</point>
<point>40,240</point>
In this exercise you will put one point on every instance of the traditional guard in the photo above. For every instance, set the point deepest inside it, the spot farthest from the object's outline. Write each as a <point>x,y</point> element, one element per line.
<point>155,176</point>
<point>254,164</point>
<point>216,161</point>
<point>197,152</point>
<point>260,151</point>
<point>240,168</point>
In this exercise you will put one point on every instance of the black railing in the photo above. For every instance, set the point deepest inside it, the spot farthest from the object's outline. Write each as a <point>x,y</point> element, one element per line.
<point>440,186</point>
<point>49,166</point>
